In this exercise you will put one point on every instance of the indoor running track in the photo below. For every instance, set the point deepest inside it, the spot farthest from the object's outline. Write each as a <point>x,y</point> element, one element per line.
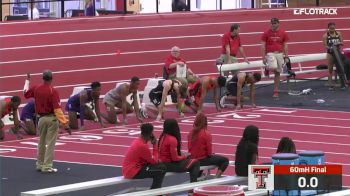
<point>310,129</point>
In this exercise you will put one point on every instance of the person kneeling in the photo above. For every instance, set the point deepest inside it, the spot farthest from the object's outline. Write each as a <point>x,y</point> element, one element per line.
<point>77,104</point>
<point>202,86</point>
<point>159,94</point>
<point>28,117</point>
<point>234,89</point>
<point>139,162</point>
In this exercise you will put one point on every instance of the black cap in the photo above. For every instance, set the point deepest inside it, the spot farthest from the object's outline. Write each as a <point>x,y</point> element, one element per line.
<point>47,75</point>
<point>275,20</point>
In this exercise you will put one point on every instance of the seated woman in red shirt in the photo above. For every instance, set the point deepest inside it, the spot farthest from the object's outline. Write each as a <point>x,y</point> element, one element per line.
<point>200,146</point>
<point>170,151</point>
<point>140,163</point>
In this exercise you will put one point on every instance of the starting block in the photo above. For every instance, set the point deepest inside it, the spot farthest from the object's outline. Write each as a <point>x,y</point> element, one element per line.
<point>8,119</point>
<point>78,89</point>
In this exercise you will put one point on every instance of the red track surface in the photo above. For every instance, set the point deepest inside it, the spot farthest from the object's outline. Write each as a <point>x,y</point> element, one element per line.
<point>67,46</point>
<point>108,146</point>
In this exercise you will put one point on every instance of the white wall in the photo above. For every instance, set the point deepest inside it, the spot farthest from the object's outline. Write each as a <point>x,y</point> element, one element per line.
<point>164,6</point>
<point>230,4</point>
<point>148,6</point>
<point>197,5</point>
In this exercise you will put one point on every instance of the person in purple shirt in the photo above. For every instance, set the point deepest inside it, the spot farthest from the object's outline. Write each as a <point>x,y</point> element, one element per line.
<point>28,118</point>
<point>89,8</point>
<point>77,104</point>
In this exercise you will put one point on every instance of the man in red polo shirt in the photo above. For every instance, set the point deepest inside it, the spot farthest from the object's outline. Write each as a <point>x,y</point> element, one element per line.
<point>274,49</point>
<point>231,44</point>
<point>48,108</point>
<point>174,60</point>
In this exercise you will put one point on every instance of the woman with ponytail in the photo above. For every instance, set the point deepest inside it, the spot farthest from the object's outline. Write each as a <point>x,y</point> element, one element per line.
<point>200,145</point>
<point>170,151</point>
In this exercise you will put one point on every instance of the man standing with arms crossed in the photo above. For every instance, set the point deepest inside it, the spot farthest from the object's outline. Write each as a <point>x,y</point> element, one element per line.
<point>48,108</point>
<point>274,49</point>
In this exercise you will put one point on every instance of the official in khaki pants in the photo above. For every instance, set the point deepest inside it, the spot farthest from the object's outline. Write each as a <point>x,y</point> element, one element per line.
<point>49,127</point>
<point>48,108</point>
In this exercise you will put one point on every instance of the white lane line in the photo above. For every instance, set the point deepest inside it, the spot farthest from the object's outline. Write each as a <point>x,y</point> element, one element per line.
<point>141,52</point>
<point>147,39</point>
<point>64,151</point>
<point>185,141</point>
<point>284,123</point>
<point>111,41</point>
<point>294,116</point>
<point>110,54</point>
<point>280,131</point>
<point>304,109</point>
<point>60,161</point>
<point>219,135</point>
<point>170,26</point>
<point>134,137</point>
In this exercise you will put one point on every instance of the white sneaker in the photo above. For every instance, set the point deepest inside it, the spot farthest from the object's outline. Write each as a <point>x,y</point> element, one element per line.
<point>49,170</point>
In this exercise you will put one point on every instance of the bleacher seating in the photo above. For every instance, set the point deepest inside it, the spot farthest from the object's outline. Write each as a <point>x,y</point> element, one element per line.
<point>95,184</point>
<point>189,186</point>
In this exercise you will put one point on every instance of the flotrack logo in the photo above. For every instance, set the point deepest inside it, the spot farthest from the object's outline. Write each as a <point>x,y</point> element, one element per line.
<point>316,11</point>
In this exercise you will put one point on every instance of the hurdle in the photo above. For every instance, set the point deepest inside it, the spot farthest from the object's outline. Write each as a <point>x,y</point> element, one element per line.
<point>78,89</point>
<point>96,184</point>
<point>293,59</point>
<point>259,64</point>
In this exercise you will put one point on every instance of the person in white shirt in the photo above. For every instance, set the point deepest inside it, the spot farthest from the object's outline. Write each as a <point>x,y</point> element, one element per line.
<point>35,13</point>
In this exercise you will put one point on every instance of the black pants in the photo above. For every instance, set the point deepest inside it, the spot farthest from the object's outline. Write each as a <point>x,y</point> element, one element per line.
<point>346,63</point>
<point>186,165</point>
<point>220,161</point>
<point>157,172</point>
